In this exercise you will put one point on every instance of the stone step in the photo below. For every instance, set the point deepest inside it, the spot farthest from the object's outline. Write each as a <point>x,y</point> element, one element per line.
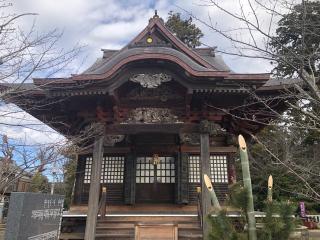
<point>123,227</point>
<point>71,236</point>
<point>190,237</point>
<point>119,225</point>
<point>156,218</point>
<point>111,231</point>
<point>192,231</point>
<point>115,225</point>
<point>114,235</point>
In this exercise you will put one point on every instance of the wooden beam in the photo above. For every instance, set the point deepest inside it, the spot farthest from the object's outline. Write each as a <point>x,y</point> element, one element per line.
<point>115,100</point>
<point>152,128</point>
<point>205,169</point>
<point>188,103</point>
<point>94,191</point>
<point>222,149</point>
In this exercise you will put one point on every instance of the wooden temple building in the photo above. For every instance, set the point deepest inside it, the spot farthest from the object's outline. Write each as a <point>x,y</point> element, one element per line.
<point>164,115</point>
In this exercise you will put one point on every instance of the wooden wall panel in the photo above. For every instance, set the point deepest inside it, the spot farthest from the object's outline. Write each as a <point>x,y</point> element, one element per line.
<point>221,190</point>
<point>114,193</point>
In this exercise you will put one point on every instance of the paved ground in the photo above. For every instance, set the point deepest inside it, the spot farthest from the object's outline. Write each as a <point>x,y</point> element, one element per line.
<point>314,234</point>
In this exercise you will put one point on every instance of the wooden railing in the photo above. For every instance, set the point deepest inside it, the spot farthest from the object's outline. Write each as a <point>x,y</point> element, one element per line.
<point>102,203</point>
<point>199,206</point>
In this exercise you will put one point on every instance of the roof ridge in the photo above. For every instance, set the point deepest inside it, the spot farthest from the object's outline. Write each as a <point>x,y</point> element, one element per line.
<point>158,22</point>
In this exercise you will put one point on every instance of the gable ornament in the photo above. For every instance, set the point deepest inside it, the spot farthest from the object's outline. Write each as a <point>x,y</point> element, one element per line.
<point>150,80</point>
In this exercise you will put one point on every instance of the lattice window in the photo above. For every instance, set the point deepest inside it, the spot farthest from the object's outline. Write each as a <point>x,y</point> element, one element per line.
<point>162,172</point>
<point>112,169</point>
<point>194,169</point>
<point>219,168</point>
<point>145,170</point>
<point>87,171</point>
<point>166,170</point>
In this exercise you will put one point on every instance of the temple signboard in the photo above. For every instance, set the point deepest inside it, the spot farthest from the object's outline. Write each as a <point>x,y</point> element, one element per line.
<point>34,216</point>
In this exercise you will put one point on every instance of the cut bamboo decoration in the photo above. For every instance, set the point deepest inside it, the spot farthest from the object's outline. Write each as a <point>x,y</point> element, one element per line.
<point>270,186</point>
<point>213,195</point>
<point>247,184</point>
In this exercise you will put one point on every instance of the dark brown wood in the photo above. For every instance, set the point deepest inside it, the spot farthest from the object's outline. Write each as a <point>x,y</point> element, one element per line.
<point>164,231</point>
<point>103,203</point>
<point>138,208</point>
<point>94,191</point>
<point>130,179</point>
<point>109,150</point>
<point>232,175</point>
<point>155,192</point>
<point>151,128</point>
<point>182,178</point>
<point>78,188</point>
<point>192,193</point>
<point>195,149</point>
<point>205,169</point>
<point>115,193</point>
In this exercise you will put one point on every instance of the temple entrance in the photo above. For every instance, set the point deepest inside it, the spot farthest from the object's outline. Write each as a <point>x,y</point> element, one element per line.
<point>155,179</point>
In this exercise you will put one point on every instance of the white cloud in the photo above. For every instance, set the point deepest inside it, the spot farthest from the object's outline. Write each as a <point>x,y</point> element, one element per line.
<point>112,24</point>
<point>24,128</point>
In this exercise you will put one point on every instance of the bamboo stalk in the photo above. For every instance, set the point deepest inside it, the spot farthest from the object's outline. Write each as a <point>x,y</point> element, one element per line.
<point>213,195</point>
<point>247,184</point>
<point>270,186</point>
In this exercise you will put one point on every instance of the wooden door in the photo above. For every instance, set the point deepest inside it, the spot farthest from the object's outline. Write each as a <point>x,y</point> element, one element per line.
<point>155,179</point>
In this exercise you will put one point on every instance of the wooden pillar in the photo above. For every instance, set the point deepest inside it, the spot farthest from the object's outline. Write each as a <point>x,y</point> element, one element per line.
<point>205,169</point>
<point>130,179</point>
<point>232,175</point>
<point>79,180</point>
<point>182,178</point>
<point>94,192</point>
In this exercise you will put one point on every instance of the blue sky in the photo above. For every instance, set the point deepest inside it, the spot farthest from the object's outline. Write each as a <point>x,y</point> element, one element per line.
<point>98,24</point>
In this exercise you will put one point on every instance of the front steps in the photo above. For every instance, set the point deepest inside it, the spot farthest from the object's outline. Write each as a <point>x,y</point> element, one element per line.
<point>124,227</point>
<point>2,231</point>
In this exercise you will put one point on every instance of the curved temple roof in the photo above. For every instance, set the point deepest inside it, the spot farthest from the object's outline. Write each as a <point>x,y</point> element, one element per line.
<point>165,47</point>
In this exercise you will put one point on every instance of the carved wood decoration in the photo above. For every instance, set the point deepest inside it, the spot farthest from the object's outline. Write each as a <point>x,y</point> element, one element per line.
<point>211,128</point>
<point>111,140</point>
<point>150,80</point>
<point>190,138</point>
<point>102,115</point>
<point>151,115</point>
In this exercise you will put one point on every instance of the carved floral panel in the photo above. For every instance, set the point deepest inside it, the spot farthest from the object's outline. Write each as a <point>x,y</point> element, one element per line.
<point>152,115</point>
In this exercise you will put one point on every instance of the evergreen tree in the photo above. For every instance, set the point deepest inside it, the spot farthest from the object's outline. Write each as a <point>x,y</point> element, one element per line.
<point>277,225</point>
<point>184,29</point>
<point>39,183</point>
<point>297,40</point>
